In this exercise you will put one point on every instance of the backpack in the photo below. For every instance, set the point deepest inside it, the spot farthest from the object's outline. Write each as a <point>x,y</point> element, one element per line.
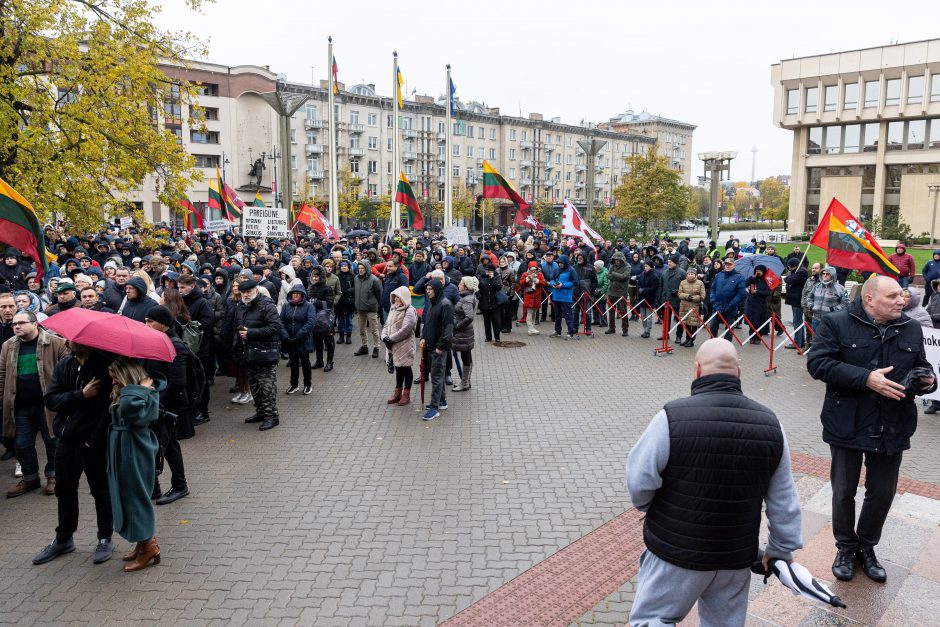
<point>192,335</point>
<point>324,324</point>
<point>195,378</point>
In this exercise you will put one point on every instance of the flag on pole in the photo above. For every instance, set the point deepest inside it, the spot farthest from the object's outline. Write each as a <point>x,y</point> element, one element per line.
<point>401,86</point>
<point>192,219</point>
<point>848,244</point>
<point>495,186</point>
<point>20,228</point>
<point>233,204</point>
<point>216,201</point>
<point>258,202</point>
<point>573,225</point>
<point>406,196</point>
<point>452,95</point>
<point>773,281</point>
<point>335,73</point>
<point>312,217</point>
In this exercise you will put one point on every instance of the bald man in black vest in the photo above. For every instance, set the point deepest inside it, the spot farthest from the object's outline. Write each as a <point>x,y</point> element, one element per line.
<point>702,471</point>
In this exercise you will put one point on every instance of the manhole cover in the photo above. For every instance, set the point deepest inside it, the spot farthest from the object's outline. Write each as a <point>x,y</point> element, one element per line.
<point>509,344</point>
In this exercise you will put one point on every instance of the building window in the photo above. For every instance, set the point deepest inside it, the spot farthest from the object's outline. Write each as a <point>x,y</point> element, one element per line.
<point>525,135</point>
<point>872,89</point>
<point>207,161</point>
<point>851,135</point>
<point>831,94</point>
<point>388,167</point>
<point>814,147</point>
<point>793,101</point>
<point>407,123</point>
<point>492,133</point>
<point>871,137</point>
<point>456,150</point>
<point>311,165</point>
<point>373,190</point>
<point>207,89</point>
<point>373,119</point>
<point>388,144</point>
<point>512,173</point>
<point>935,88</point>
<point>812,99</point>
<point>512,134</point>
<point>469,131</point>
<point>311,112</point>
<point>916,134</point>
<point>354,117</point>
<point>492,153</point>
<point>895,136</point>
<point>455,170</point>
<point>833,139</point>
<point>892,91</point>
<point>469,151</point>
<point>934,141</point>
<point>373,142</point>
<point>512,153</point>
<point>373,167</point>
<point>915,90</point>
<point>388,121</point>
<point>440,127</point>
<point>293,162</point>
<point>311,137</point>
<point>211,137</point>
<point>354,166</point>
<point>480,133</point>
<point>354,141</point>
<point>293,136</point>
<point>558,158</point>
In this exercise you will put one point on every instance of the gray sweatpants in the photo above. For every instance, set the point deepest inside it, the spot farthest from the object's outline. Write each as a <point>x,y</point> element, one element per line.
<point>665,594</point>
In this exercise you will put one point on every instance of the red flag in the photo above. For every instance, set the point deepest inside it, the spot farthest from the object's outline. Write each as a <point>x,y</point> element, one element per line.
<point>308,215</point>
<point>848,244</point>
<point>773,281</point>
<point>525,218</point>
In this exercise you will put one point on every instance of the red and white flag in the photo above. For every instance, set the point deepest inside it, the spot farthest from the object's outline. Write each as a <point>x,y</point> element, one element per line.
<point>525,218</point>
<point>574,225</point>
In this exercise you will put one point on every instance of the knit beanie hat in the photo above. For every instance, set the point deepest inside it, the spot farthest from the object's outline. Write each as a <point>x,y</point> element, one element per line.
<point>471,283</point>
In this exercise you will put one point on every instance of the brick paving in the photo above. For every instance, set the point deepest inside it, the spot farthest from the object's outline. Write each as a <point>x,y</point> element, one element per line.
<point>352,512</point>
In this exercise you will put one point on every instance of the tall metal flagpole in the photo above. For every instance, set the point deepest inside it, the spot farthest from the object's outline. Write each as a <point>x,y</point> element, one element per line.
<point>448,153</point>
<point>395,217</point>
<point>334,178</point>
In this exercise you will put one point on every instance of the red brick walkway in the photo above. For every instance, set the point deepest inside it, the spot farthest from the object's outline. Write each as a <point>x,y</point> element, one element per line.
<point>569,583</point>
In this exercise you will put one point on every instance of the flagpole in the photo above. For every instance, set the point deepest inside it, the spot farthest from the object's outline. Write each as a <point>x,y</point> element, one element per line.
<point>448,169</point>
<point>394,216</point>
<point>334,178</point>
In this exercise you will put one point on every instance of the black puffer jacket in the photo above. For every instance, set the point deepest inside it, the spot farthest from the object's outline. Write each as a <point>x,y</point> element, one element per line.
<point>489,286</point>
<point>264,326</point>
<point>438,330</point>
<point>847,346</point>
<point>463,322</point>
<point>138,308</point>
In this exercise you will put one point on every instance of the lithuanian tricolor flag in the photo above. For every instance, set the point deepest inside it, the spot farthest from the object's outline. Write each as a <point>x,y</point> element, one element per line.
<point>20,228</point>
<point>406,196</point>
<point>216,199</point>
<point>495,186</point>
<point>848,244</point>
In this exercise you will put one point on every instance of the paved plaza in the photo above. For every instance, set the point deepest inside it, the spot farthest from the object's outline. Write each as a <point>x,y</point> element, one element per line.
<point>353,512</point>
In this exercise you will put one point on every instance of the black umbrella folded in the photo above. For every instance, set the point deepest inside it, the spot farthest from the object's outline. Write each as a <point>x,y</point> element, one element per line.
<point>799,580</point>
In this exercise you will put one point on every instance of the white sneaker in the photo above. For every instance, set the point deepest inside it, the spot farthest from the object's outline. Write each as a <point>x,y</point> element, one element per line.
<point>19,471</point>
<point>248,398</point>
<point>533,331</point>
<point>238,397</point>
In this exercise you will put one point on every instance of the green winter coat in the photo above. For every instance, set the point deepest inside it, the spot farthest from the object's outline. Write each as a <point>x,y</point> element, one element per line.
<point>602,282</point>
<point>132,451</point>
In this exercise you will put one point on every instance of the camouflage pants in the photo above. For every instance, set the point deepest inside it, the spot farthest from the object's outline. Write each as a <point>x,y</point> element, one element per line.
<point>263,381</point>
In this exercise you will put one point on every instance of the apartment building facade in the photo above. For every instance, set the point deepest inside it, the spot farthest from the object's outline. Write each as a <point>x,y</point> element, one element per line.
<point>674,138</point>
<point>866,130</point>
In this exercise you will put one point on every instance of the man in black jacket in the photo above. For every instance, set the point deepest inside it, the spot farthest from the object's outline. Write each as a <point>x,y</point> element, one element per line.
<point>258,339</point>
<point>871,357</point>
<point>201,311</point>
<point>436,339</point>
<point>80,393</point>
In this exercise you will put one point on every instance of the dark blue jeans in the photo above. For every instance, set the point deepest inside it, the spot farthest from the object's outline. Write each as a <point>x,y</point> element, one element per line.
<point>344,323</point>
<point>29,420</point>
<point>563,310</point>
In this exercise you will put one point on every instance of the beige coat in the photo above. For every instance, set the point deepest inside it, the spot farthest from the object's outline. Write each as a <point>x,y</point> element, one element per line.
<point>400,328</point>
<point>49,351</point>
<point>697,291</point>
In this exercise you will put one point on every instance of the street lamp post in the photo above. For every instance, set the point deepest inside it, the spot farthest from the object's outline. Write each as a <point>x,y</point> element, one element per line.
<point>934,189</point>
<point>716,164</point>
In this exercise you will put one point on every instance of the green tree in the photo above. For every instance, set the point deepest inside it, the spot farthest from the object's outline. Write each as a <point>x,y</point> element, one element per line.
<point>80,87</point>
<point>651,192</point>
<point>462,204</point>
<point>544,212</point>
<point>776,198</point>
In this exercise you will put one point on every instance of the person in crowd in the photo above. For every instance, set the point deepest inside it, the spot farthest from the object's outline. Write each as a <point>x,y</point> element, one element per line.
<point>691,298</point>
<point>489,296</point>
<point>806,302</point>
<point>551,272</point>
<point>913,309</point>
<point>727,296</point>
<point>297,319</point>
<point>79,394</point>
<point>66,298</point>
<point>701,544</point>
<point>563,298</point>
<point>532,285</point>
<point>931,272</point>
<point>28,301</point>
<point>828,295</point>
<point>399,339</point>
<point>507,278</point>
<point>175,402</point>
<point>89,299</point>
<point>346,305</point>
<point>258,338</point>
<point>795,280</point>
<point>230,359</point>
<point>870,355</point>
<point>647,288</point>
<point>436,337</point>
<point>905,264</point>
<point>463,338</point>
<point>600,294</point>
<point>201,311</point>
<point>618,299</point>
<point>669,282</point>
<point>136,303</point>
<point>132,446</point>
<point>393,278</point>
<point>322,298</point>
<point>368,299</point>
<point>755,304</point>
<point>584,288</point>
<point>26,365</point>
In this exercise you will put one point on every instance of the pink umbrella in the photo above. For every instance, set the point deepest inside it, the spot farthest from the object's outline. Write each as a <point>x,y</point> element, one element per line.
<point>112,333</point>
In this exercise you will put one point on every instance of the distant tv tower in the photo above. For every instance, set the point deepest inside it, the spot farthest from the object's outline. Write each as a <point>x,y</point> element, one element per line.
<point>753,164</point>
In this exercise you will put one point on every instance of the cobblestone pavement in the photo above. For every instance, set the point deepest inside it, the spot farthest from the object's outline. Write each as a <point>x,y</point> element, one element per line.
<point>352,512</point>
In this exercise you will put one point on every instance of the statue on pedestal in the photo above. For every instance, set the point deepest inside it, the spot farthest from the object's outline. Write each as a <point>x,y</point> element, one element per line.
<point>257,168</point>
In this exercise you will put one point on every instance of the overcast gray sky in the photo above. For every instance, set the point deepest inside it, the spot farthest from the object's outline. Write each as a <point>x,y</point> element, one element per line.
<point>707,63</point>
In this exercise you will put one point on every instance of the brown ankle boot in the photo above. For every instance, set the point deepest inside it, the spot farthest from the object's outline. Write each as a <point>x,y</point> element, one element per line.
<point>130,556</point>
<point>395,397</point>
<point>405,397</point>
<point>149,550</point>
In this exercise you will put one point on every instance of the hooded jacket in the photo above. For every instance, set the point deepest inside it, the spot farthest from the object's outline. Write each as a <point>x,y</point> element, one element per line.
<point>286,286</point>
<point>564,284</point>
<point>392,282</point>
<point>453,274</point>
<point>438,329</point>
<point>138,307</point>
<point>915,311</point>
<point>827,297</point>
<point>618,276</point>
<point>728,292</point>
<point>368,296</point>
<point>297,320</point>
<point>399,329</point>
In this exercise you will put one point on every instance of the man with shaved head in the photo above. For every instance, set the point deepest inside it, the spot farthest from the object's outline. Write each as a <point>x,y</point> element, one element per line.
<point>702,471</point>
<point>871,357</point>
